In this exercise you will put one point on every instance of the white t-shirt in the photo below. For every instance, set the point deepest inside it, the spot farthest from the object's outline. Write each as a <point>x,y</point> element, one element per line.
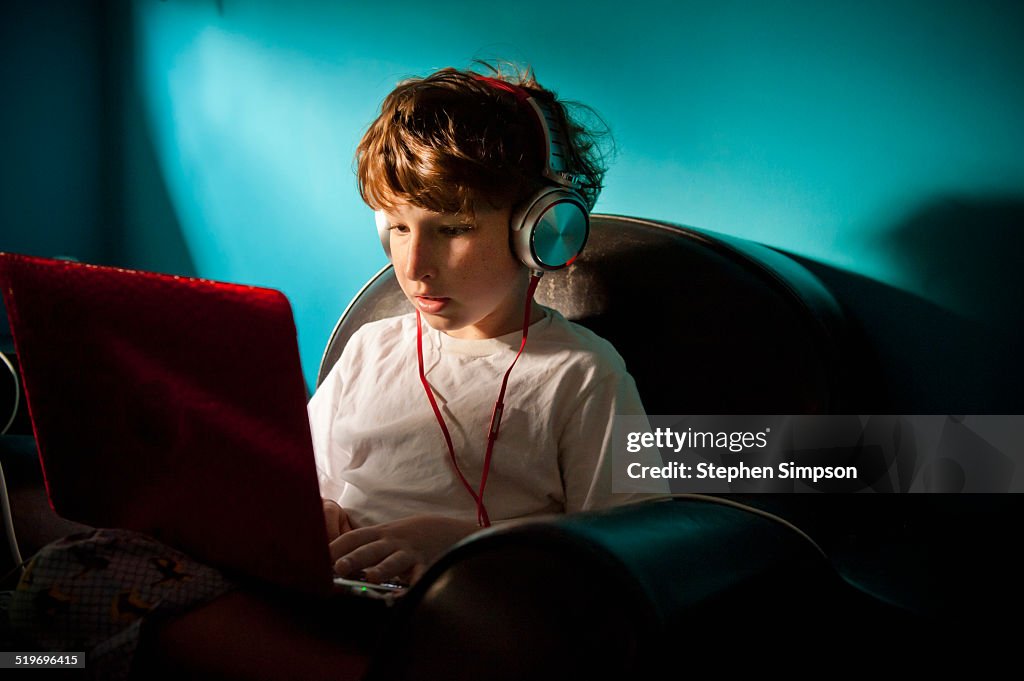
<point>380,452</point>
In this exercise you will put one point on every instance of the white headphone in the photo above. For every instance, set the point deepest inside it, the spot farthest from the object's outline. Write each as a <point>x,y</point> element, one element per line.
<point>549,229</point>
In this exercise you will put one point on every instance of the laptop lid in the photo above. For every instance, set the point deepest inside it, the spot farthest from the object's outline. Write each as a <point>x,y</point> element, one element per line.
<point>175,407</point>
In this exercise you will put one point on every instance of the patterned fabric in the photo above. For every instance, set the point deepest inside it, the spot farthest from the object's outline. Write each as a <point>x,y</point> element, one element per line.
<point>91,592</point>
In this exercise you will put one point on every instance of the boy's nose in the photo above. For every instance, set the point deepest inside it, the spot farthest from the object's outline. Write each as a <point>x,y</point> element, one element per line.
<point>419,259</point>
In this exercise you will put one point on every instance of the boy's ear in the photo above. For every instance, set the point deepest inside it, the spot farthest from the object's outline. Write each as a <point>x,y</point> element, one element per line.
<point>383,230</point>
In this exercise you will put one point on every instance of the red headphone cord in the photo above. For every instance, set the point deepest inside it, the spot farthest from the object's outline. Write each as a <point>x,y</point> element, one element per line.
<point>482,519</point>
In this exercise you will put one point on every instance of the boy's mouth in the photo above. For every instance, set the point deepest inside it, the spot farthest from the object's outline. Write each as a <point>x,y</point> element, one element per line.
<point>431,304</point>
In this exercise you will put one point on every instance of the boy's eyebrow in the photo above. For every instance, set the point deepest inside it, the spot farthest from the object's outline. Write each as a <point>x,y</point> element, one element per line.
<point>466,222</point>
<point>455,221</point>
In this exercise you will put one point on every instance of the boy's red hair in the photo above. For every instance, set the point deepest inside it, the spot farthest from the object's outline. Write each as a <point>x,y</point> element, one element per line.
<point>444,141</point>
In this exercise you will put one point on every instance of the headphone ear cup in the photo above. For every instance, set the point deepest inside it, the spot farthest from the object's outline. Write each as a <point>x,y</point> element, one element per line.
<point>550,229</point>
<point>384,231</point>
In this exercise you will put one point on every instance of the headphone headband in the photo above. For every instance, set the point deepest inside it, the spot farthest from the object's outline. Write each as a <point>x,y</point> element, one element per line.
<point>556,146</point>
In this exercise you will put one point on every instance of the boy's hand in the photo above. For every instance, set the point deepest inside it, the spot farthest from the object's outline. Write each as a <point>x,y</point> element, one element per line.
<point>404,548</point>
<point>336,519</point>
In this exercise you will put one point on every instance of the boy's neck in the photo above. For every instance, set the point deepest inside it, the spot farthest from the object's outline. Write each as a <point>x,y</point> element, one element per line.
<point>537,313</point>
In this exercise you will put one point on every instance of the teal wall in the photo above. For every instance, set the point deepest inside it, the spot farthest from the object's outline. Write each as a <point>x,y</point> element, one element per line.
<point>840,131</point>
<point>51,105</point>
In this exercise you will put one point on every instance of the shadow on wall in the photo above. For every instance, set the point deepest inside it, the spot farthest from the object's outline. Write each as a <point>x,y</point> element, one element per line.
<point>143,228</point>
<point>961,357</point>
<point>965,253</point>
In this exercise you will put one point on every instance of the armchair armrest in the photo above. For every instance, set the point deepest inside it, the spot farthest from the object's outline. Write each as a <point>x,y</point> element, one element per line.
<point>617,593</point>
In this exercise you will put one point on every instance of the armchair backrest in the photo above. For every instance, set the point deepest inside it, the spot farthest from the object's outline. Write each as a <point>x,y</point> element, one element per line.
<point>707,324</point>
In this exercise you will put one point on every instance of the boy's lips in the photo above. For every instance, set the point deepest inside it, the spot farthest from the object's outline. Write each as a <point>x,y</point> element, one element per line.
<point>431,304</point>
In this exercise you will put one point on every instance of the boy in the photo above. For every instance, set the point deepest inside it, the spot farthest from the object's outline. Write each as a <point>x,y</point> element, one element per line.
<point>449,162</point>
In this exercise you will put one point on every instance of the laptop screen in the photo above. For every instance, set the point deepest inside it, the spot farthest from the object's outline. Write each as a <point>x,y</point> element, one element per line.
<point>171,406</point>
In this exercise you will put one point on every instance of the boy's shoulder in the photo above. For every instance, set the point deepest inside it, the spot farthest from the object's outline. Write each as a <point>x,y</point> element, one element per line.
<point>584,344</point>
<point>381,335</point>
<point>387,326</point>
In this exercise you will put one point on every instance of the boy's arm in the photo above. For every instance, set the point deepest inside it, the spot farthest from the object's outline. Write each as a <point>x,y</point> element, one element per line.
<point>322,409</point>
<point>586,448</point>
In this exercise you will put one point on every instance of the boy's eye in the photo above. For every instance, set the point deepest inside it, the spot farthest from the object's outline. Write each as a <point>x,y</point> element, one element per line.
<point>401,229</point>
<point>456,230</point>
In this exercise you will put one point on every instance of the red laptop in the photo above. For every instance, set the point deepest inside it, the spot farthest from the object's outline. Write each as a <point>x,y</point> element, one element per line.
<point>175,407</point>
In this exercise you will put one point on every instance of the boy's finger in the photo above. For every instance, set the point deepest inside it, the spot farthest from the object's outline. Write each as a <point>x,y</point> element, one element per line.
<point>394,565</point>
<point>333,518</point>
<point>345,522</point>
<point>336,517</point>
<point>363,557</point>
<point>352,540</point>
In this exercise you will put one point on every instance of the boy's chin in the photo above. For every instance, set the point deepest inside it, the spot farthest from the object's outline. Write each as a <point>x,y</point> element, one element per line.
<point>452,327</point>
<point>456,325</point>
<point>442,323</point>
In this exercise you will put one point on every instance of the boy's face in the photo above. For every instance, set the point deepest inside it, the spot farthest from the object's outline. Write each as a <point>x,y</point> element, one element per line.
<point>459,273</point>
